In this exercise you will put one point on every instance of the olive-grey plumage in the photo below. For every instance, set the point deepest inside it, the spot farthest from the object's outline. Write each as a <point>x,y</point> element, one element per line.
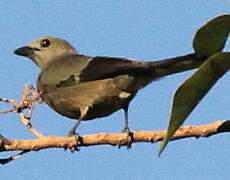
<point>85,88</point>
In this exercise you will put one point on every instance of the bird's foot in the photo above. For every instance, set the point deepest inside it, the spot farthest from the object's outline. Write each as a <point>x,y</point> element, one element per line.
<point>125,130</point>
<point>77,141</point>
<point>129,136</point>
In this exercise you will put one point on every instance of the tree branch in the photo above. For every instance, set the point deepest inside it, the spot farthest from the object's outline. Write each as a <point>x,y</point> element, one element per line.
<point>113,139</point>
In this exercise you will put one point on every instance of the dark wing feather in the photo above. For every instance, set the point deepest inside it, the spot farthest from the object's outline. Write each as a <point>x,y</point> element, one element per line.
<point>107,67</point>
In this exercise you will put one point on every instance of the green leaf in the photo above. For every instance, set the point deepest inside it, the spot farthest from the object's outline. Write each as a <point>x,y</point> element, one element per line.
<point>210,38</point>
<point>189,94</point>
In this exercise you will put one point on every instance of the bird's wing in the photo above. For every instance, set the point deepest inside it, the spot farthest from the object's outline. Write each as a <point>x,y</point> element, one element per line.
<point>108,67</point>
<point>78,68</point>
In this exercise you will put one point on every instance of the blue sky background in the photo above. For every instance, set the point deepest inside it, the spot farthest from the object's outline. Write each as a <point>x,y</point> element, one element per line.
<point>143,30</point>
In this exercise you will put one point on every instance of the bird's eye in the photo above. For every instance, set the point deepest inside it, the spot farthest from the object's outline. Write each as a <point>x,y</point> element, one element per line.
<point>45,43</point>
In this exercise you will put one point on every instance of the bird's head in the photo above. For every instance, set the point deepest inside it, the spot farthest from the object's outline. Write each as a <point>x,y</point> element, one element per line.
<point>45,49</point>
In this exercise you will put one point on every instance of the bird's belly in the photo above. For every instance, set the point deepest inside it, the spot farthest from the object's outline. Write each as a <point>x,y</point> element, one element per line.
<point>90,100</point>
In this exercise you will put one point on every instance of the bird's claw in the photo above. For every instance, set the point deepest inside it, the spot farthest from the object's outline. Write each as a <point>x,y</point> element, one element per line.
<point>77,140</point>
<point>126,130</point>
<point>128,144</point>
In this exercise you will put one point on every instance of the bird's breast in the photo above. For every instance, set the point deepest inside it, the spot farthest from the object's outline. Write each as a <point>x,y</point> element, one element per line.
<point>99,97</point>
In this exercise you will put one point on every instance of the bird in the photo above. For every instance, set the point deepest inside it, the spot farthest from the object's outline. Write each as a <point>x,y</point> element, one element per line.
<point>84,87</point>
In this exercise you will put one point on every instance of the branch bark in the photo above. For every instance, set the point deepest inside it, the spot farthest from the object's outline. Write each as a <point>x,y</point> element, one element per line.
<point>113,139</point>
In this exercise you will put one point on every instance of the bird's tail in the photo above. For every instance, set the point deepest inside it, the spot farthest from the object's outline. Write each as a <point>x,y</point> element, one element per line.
<point>175,65</point>
<point>154,70</point>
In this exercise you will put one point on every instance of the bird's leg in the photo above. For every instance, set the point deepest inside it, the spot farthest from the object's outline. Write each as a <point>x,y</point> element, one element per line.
<point>126,128</point>
<point>126,122</point>
<point>73,129</point>
<point>72,132</point>
<point>76,124</point>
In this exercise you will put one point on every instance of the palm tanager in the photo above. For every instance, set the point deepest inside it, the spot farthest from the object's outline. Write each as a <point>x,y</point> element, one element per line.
<point>84,88</point>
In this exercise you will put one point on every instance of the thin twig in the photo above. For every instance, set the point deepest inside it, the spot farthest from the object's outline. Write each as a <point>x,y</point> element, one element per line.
<point>26,122</point>
<point>25,101</point>
<point>11,101</point>
<point>11,158</point>
<point>29,103</point>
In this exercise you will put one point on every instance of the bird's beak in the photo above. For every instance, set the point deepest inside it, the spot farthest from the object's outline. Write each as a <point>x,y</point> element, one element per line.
<point>26,51</point>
